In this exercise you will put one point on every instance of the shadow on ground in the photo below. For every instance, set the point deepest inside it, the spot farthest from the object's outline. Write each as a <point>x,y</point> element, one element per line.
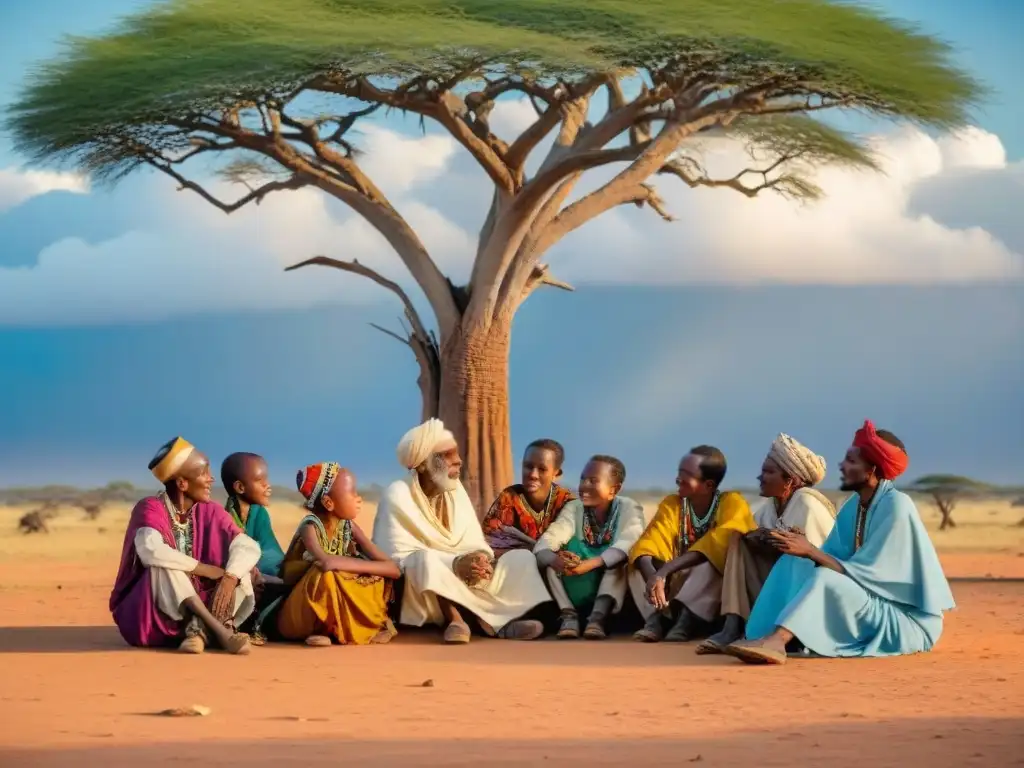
<point>941,743</point>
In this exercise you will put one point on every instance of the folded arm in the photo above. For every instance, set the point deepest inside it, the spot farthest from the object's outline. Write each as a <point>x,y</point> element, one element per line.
<point>154,552</point>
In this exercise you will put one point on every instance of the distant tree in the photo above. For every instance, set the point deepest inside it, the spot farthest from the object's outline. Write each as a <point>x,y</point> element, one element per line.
<point>946,491</point>
<point>274,88</point>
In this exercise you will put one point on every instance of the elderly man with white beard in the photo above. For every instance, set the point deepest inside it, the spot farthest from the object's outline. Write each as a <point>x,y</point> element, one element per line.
<point>426,523</point>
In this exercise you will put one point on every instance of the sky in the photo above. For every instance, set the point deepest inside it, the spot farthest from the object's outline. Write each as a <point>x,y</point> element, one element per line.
<point>134,313</point>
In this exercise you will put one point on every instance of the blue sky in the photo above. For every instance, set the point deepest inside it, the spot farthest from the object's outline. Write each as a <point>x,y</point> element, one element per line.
<point>133,314</point>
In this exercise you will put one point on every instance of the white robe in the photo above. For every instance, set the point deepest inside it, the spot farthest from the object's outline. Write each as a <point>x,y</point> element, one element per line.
<point>415,540</point>
<point>569,523</point>
<point>169,572</point>
<point>806,510</point>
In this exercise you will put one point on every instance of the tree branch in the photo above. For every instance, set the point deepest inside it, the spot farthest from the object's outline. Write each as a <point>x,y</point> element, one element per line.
<point>295,181</point>
<point>355,268</point>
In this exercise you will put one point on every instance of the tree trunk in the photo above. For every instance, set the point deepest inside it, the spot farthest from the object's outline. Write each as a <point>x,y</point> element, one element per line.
<point>473,403</point>
<point>946,506</point>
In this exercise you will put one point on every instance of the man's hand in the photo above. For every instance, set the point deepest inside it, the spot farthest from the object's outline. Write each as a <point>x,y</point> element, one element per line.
<point>474,567</point>
<point>655,592</point>
<point>789,543</point>
<point>223,603</point>
<point>211,572</point>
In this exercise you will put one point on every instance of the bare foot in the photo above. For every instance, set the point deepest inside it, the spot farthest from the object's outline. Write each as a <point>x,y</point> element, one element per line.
<point>652,632</point>
<point>731,632</point>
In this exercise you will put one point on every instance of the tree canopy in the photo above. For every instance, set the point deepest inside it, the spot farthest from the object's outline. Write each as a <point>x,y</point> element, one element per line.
<point>195,55</point>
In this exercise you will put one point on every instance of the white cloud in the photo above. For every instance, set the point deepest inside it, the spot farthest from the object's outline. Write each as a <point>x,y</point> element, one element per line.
<point>865,231</point>
<point>861,232</point>
<point>17,186</point>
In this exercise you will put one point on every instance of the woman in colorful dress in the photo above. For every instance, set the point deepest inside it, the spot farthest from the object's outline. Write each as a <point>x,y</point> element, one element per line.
<point>522,513</point>
<point>340,582</point>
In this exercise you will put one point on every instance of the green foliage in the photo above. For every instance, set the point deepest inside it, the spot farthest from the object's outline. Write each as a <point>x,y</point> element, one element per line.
<point>949,484</point>
<point>192,56</point>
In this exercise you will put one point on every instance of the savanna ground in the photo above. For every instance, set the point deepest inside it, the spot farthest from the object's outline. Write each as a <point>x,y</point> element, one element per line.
<point>73,693</point>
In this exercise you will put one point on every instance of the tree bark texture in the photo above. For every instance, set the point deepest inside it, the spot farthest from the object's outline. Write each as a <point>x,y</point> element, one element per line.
<point>474,404</point>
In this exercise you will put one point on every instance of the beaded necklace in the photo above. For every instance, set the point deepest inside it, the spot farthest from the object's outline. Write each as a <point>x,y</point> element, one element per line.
<point>180,529</point>
<point>543,516</point>
<point>595,535</point>
<point>692,527</point>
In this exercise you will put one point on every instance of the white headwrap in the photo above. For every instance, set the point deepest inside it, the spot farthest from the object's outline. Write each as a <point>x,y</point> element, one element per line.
<point>796,460</point>
<point>420,443</point>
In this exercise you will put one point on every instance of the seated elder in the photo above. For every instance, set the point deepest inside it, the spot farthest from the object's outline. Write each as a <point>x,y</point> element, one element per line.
<point>585,550</point>
<point>788,474</point>
<point>521,513</point>
<point>878,588</point>
<point>680,557</point>
<point>427,525</point>
<point>184,573</point>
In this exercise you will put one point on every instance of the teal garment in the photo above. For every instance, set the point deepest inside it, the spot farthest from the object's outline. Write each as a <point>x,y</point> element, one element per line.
<point>257,526</point>
<point>582,590</point>
<point>889,601</point>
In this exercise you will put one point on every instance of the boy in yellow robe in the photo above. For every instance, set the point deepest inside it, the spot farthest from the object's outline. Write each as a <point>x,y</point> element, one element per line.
<point>681,555</point>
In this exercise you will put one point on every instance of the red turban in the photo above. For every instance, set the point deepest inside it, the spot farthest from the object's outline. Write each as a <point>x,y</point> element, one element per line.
<point>889,459</point>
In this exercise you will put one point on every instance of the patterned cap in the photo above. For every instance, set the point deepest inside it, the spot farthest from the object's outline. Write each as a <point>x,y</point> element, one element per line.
<point>315,481</point>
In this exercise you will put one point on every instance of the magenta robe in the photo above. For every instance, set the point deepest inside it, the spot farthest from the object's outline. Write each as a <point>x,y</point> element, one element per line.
<point>132,603</point>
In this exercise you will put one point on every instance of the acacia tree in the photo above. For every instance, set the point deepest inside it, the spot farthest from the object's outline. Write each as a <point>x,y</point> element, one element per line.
<point>275,88</point>
<point>947,491</point>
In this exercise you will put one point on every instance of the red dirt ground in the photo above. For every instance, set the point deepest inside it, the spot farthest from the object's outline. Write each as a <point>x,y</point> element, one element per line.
<point>73,694</point>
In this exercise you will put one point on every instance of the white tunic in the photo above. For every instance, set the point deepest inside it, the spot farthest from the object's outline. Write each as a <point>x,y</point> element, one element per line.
<point>408,532</point>
<point>807,510</point>
<point>169,572</point>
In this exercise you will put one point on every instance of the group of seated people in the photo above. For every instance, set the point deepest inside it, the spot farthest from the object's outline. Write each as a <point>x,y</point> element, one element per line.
<point>789,576</point>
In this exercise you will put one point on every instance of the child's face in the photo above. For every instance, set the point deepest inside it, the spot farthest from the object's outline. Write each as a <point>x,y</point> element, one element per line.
<point>343,500</point>
<point>254,484</point>
<point>539,470</point>
<point>596,484</point>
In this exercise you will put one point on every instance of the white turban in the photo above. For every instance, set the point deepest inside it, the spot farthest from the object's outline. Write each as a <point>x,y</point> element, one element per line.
<point>796,460</point>
<point>420,443</point>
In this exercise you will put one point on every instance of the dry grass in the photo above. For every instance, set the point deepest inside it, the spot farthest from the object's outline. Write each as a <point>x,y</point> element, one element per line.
<point>982,526</point>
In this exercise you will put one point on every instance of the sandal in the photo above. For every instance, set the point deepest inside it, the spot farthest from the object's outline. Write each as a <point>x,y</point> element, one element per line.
<point>522,629</point>
<point>318,641</point>
<point>595,630</point>
<point>238,644</point>
<point>753,652</point>
<point>193,644</point>
<point>652,631</point>
<point>457,633</point>
<point>569,627</point>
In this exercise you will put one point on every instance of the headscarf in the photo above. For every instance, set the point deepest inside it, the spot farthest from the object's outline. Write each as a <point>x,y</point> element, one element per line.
<point>797,460</point>
<point>890,461</point>
<point>170,459</point>
<point>420,443</point>
<point>315,481</point>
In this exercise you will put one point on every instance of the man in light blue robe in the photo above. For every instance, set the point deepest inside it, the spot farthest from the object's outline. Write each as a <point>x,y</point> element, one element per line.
<point>875,588</point>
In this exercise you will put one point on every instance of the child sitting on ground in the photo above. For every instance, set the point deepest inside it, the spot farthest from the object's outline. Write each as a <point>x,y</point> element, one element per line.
<point>340,582</point>
<point>584,551</point>
<point>246,479</point>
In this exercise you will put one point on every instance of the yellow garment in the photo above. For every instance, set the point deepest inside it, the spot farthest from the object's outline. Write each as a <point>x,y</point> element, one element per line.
<point>662,538</point>
<point>349,607</point>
